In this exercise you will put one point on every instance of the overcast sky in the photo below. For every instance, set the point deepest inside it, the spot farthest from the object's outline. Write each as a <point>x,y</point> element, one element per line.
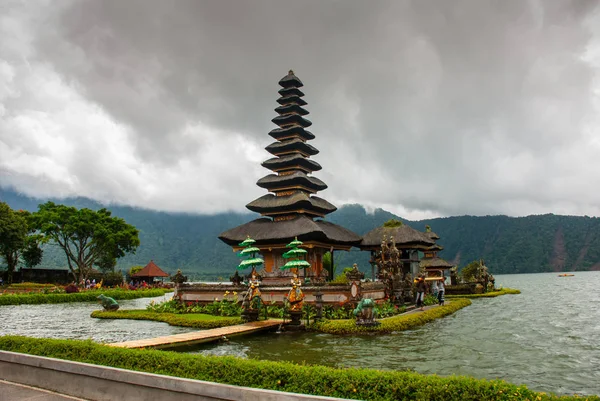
<point>424,108</point>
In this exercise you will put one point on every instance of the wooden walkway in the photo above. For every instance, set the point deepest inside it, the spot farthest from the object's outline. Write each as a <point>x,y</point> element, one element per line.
<point>198,337</point>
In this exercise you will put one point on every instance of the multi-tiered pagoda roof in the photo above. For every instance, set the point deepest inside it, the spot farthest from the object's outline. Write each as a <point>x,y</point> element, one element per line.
<point>290,208</point>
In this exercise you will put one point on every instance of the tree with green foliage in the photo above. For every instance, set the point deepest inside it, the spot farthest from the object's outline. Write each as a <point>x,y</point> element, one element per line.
<point>18,242</point>
<point>469,271</point>
<point>87,237</point>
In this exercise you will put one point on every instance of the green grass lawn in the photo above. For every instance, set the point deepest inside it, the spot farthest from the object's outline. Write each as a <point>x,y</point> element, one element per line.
<point>492,294</point>
<point>198,320</point>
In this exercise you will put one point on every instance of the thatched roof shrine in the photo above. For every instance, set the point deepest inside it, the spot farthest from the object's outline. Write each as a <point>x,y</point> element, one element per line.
<point>404,236</point>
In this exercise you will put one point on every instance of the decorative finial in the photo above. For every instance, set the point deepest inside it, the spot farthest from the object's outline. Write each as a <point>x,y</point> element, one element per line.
<point>291,72</point>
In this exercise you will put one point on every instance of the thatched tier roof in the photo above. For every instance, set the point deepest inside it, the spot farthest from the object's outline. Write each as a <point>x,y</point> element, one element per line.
<point>291,80</point>
<point>291,145</point>
<point>435,263</point>
<point>435,247</point>
<point>278,163</point>
<point>432,235</point>
<point>293,131</point>
<point>290,92</point>
<point>272,181</point>
<point>268,232</point>
<point>291,108</point>
<point>292,99</point>
<point>404,236</point>
<point>289,119</point>
<point>271,204</point>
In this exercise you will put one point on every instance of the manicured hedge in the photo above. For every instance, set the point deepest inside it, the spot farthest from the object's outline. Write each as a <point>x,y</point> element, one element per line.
<point>198,320</point>
<point>364,384</point>
<point>492,294</point>
<point>84,296</point>
<point>391,324</point>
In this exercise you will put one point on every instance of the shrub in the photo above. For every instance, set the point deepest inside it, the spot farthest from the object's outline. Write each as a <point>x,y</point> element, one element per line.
<point>493,294</point>
<point>85,296</point>
<point>71,288</point>
<point>184,320</point>
<point>364,384</point>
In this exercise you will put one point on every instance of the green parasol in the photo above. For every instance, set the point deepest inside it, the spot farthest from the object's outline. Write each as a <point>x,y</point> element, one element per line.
<point>294,253</point>
<point>295,264</point>
<point>294,244</point>
<point>249,251</point>
<point>247,241</point>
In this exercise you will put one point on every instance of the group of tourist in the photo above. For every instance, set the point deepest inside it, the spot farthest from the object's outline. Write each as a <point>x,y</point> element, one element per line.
<point>438,288</point>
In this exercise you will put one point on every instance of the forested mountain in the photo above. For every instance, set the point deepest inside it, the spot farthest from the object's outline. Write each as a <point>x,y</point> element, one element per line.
<point>508,245</point>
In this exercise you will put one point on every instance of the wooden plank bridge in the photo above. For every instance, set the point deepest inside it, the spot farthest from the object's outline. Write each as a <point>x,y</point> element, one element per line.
<point>198,337</point>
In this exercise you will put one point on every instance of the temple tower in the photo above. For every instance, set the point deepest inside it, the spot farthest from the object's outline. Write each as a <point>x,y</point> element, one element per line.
<point>291,208</point>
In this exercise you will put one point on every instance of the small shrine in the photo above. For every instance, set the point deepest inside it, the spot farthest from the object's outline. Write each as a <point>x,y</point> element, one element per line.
<point>434,266</point>
<point>149,273</point>
<point>395,236</point>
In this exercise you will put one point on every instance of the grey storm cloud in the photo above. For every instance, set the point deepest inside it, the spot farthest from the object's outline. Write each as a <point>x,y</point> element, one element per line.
<point>424,108</point>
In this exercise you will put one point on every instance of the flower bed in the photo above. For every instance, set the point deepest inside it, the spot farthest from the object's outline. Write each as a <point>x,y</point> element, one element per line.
<point>391,324</point>
<point>363,384</point>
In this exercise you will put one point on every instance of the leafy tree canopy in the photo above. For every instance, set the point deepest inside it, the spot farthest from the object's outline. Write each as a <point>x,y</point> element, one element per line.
<point>87,237</point>
<point>18,243</point>
<point>393,223</point>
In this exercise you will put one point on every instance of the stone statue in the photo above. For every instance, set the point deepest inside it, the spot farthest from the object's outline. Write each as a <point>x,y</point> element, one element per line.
<point>366,313</point>
<point>236,279</point>
<point>108,303</point>
<point>296,296</point>
<point>254,295</point>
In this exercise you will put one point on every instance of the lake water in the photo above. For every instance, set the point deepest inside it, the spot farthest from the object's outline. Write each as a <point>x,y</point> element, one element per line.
<point>548,337</point>
<point>73,321</point>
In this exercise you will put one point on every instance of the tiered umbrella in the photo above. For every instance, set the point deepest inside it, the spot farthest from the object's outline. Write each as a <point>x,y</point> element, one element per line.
<point>249,252</point>
<point>296,253</point>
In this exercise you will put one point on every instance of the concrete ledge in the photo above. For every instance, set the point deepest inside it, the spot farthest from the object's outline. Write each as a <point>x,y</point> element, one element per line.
<point>100,383</point>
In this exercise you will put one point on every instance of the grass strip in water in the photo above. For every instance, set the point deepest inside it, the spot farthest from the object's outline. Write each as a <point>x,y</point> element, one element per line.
<point>363,384</point>
<point>198,320</point>
<point>492,294</point>
<point>84,296</point>
<point>402,322</point>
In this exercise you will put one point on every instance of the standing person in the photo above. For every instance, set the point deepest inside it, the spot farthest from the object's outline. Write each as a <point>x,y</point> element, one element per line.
<point>441,290</point>
<point>434,289</point>
<point>420,292</point>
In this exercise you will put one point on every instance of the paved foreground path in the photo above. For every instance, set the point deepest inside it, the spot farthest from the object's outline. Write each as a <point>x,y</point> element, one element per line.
<point>19,392</point>
<point>198,337</point>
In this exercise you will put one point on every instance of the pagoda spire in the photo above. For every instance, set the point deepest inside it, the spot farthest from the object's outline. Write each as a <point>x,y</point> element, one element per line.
<point>291,187</point>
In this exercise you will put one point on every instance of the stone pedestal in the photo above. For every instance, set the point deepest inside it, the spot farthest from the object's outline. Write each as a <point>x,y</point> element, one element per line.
<point>250,315</point>
<point>296,317</point>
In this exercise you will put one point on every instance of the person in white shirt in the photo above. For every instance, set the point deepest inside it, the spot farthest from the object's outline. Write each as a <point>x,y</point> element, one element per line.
<point>441,289</point>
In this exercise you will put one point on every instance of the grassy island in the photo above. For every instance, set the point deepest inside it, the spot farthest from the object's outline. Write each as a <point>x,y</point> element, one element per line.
<point>491,294</point>
<point>363,384</point>
<point>84,296</point>
<point>198,320</point>
<point>402,322</point>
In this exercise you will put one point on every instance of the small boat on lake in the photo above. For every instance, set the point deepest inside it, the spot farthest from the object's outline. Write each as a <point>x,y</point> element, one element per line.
<point>565,275</point>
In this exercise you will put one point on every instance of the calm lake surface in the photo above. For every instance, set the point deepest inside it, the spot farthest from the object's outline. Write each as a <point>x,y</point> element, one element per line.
<point>73,321</point>
<point>548,337</point>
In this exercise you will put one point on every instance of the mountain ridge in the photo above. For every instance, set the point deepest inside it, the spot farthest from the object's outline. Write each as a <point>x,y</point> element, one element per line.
<point>536,243</point>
